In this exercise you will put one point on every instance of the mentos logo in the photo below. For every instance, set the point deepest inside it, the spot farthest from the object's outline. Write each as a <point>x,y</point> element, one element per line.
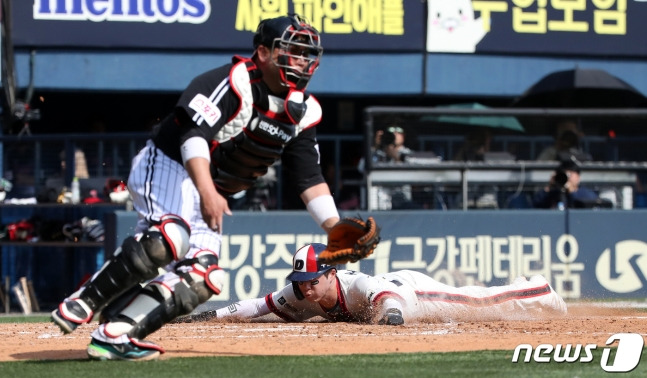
<point>167,11</point>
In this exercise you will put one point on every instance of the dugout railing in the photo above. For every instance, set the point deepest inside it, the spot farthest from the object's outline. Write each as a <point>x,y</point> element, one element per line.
<point>32,162</point>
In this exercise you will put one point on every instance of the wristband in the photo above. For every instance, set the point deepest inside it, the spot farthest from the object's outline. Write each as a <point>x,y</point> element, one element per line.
<point>195,147</point>
<point>322,208</point>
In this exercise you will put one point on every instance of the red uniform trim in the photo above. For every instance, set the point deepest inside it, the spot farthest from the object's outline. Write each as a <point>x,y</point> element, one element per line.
<point>340,312</point>
<point>383,294</point>
<point>233,87</point>
<point>311,262</point>
<point>62,311</point>
<point>147,345</point>
<point>270,304</point>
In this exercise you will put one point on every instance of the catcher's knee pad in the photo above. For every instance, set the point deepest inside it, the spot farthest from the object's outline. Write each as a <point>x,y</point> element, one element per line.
<point>155,305</point>
<point>138,260</point>
<point>167,239</point>
<point>202,274</point>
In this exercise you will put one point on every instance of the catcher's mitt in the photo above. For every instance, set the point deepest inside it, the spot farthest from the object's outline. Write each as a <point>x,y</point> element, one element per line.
<point>350,239</point>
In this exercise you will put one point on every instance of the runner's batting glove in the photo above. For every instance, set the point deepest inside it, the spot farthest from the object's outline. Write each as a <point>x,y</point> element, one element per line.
<point>200,317</point>
<point>392,316</point>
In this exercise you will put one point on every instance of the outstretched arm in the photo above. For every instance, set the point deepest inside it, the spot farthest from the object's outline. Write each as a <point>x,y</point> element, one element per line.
<point>245,309</point>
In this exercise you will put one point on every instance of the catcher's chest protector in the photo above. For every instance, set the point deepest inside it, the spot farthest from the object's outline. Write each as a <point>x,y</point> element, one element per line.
<point>254,138</point>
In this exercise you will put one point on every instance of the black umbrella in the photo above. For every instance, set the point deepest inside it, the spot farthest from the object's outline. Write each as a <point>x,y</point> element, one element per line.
<point>581,88</point>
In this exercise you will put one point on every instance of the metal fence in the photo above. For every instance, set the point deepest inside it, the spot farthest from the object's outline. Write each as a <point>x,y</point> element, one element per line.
<point>32,162</point>
<point>611,141</point>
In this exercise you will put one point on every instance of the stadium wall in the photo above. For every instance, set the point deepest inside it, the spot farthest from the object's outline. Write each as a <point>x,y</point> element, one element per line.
<point>371,47</point>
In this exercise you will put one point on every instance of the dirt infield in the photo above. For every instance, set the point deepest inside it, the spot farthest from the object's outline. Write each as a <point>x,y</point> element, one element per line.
<point>585,323</point>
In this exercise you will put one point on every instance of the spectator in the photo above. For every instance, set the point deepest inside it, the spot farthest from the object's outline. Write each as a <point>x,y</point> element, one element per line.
<point>388,146</point>
<point>402,151</point>
<point>567,144</point>
<point>392,150</point>
<point>564,190</point>
<point>476,147</point>
<point>477,144</point>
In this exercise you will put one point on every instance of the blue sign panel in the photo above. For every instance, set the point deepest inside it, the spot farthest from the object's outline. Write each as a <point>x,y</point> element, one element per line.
<point>582,253</point>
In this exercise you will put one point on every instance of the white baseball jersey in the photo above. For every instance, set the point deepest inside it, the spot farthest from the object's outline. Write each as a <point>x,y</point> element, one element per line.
<point>422,298</point>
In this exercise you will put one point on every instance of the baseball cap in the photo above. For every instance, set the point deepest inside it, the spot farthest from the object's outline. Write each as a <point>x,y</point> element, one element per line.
<point>270,29</point>
<point>305,266</point>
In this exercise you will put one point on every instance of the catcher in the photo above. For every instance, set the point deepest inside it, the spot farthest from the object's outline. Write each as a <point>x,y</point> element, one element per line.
<point>228,127</point>
<point>319,289</point>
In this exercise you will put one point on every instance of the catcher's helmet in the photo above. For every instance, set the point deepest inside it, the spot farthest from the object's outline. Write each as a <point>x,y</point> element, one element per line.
<point>305,266</point>
<point>297,41</point>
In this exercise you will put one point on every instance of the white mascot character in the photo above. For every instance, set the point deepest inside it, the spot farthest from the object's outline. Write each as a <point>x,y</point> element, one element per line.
<point>451,26</point>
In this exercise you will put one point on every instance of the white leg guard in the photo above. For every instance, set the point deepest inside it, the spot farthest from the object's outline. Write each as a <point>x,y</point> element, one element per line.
<point>195,280</point>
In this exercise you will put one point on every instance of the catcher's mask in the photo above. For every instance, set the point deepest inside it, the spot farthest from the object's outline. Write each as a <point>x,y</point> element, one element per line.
<point>305,266</point>
<point>298,44</point>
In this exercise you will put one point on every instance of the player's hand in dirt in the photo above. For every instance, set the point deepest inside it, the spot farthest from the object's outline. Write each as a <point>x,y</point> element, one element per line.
<point>392,316</point>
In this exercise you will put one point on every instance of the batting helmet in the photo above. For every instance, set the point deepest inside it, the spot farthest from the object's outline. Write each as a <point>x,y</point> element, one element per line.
<point>305,266</point>
<point>297,41</point>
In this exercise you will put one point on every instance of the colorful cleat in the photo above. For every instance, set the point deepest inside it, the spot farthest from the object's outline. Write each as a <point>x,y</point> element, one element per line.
<point>135,350</point>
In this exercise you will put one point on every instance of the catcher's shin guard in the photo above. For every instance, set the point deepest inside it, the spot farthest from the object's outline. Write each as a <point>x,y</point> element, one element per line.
<point>155,305</point>
<point>136,261</point>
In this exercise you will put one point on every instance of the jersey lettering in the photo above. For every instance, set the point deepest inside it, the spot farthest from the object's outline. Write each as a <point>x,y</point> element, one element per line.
<point>205,108</point>
<point>274,130</point>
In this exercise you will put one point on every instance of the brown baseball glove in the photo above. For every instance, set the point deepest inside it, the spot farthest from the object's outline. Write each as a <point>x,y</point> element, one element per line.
<point>350,240</point>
